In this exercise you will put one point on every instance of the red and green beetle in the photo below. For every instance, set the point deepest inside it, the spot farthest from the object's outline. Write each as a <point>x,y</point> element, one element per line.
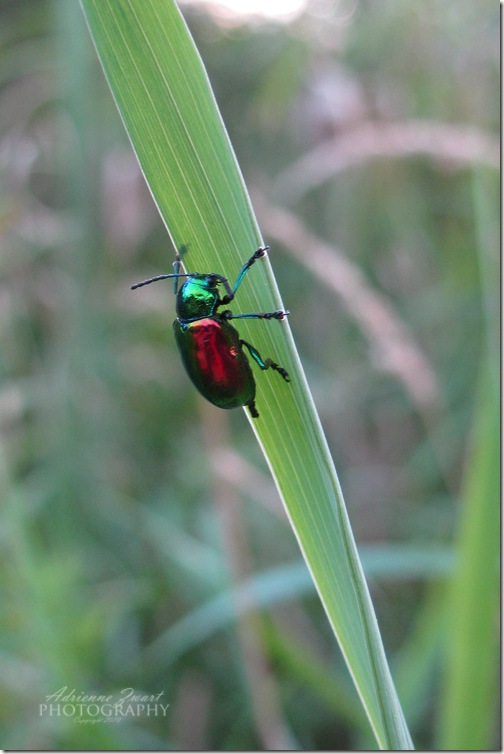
<point>211,348</point>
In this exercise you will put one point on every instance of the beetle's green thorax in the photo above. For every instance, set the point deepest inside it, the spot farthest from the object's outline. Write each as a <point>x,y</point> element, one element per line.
<point>198,297</point>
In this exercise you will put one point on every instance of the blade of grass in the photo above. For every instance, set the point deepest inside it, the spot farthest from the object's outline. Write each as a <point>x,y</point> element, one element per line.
<point>164,97</point>
<point>470,698</point>
<point>469,703</point>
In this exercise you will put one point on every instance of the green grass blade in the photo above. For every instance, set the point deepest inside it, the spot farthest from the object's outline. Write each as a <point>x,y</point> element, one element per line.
<point>470,694</point>
<point>167,106</point>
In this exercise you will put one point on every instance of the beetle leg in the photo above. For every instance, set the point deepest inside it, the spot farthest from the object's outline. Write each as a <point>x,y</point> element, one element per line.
<point>280,314</point>
<point>176,271</point>
<point>229,295</point>
<point>253,410</point>
<point>265,363</point>
<point>261,251</point>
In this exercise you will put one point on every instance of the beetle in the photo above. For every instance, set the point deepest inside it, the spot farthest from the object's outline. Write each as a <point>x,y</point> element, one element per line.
<point>211,348</point>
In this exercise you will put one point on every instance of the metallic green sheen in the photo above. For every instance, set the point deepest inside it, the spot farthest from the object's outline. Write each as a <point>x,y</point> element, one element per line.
<point>198,297</point>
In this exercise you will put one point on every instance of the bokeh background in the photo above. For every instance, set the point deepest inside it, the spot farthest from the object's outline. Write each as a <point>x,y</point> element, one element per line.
<point>143,542</point>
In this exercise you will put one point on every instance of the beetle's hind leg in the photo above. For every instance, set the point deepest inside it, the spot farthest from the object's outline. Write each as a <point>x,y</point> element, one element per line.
<point>253,410</point>
<point>265,363</point>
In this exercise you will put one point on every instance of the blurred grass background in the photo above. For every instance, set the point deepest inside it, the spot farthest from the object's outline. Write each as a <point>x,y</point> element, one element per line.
<point>144,544</point>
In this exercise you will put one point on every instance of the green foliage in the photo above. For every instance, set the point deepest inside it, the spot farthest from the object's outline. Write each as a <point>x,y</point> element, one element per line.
<point>162,93</point>
<point>469,701</point>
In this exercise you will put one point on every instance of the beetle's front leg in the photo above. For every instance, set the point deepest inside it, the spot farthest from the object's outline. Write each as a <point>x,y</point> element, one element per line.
<point>279,314</point>
<point>261,251</point>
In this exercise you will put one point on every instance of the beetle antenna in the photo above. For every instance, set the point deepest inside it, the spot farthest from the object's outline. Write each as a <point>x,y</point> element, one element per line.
<point>161,277</point>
